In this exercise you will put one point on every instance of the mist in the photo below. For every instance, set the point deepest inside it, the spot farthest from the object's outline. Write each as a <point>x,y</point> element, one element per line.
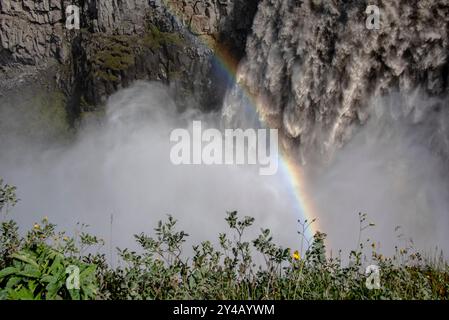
<point>393,169</point>
<point>119,164</point>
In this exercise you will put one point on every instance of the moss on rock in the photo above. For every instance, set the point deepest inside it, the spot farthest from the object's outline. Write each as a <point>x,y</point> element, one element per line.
<point>112,54</point>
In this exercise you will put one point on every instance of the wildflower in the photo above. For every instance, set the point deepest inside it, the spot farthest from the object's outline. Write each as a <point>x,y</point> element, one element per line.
<point>45,219</point>
<point>37,226</point>
<point>66,238</point>
<point>296,255</point>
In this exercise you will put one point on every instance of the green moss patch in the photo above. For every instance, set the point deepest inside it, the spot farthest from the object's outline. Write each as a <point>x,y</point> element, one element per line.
<point>112,54</point>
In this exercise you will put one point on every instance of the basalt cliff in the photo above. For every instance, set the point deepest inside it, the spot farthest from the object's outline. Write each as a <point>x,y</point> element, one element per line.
<point>119,41</point>
<point>313,65</point>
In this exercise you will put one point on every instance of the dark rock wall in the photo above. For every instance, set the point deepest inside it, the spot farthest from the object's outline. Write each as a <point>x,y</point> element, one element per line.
<point>121,41</point>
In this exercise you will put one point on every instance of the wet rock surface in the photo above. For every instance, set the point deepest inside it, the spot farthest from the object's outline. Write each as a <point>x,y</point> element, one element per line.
<point>121,41</point>
<point>313,66</point>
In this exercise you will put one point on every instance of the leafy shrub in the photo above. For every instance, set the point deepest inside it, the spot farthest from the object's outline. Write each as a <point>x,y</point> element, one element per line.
<point>41,274</point>
<point>34,266</point>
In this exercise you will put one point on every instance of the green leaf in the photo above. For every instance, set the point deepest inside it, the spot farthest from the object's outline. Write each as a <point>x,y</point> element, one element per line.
<point>75,294</point>
<point>7,271</point>
<point>53,289</point>
<point>47,278</point>
<point>20,294</point>
<point>25,257</point>
<point>56,265</point>
<point>30,271</point>
<point>12,282</point>
<point>88,272</point>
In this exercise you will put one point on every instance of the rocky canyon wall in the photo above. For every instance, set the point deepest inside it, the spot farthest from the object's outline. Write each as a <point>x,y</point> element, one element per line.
<point>120,41</point>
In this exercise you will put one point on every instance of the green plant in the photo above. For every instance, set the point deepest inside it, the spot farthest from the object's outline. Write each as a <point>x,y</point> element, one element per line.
<point>7,197</point>
<point>35,266</point>
<point>41,273</point>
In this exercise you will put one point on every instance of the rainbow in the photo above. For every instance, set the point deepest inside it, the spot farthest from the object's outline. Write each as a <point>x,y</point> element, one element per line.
<point>290,169</point>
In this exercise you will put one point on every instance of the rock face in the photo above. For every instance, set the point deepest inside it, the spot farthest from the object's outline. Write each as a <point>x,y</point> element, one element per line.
<point>33,38</point>
<point>121,41</point>
<point>31,31</point>
<point>315,66</point>
<point>228,21</point>
<point>312,64</point>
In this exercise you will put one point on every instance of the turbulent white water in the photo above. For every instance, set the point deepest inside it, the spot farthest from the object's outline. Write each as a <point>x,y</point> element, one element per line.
<point>366,112</point>
<point>391,171</point>
<point>394,169</point>
<point>316,66</point>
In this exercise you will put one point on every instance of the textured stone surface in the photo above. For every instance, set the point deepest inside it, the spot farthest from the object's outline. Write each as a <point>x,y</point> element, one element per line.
<point>31,32</point>
<point>33,37</point>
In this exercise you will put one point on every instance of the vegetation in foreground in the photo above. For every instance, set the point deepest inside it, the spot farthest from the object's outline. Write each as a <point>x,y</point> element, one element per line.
<point>40,264</point>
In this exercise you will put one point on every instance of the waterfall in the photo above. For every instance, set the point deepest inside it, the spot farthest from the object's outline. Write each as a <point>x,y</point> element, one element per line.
<point>364,111</point>
<point>317,67</point>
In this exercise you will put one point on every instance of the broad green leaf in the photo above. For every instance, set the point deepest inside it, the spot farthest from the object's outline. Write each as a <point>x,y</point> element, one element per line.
<point>75,294</point>
<point>47,278</point>
<point>56,265</point>
<point>30,271</point>
<point>8,271</point>
<point>88,272</point>
<point>22,256</point>
<point>12,282</point>
<point>20,294</point>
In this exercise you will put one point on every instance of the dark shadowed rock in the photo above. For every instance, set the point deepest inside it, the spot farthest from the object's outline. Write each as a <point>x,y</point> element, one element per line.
<point>121,41</point>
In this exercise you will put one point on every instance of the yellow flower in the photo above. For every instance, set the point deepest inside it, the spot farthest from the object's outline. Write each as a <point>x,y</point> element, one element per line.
<point>66,238</point>
<point>45,219</point>
<point>37,226</point>
<point>296,255</point>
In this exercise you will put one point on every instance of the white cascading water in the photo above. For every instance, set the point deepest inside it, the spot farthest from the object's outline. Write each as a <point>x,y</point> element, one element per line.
<point>366,112</point>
